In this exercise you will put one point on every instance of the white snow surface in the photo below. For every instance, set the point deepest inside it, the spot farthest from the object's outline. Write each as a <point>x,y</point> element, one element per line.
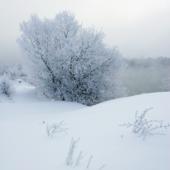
<point>25,145</point>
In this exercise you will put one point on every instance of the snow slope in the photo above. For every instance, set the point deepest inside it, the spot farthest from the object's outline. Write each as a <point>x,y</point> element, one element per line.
<point>104,144</point>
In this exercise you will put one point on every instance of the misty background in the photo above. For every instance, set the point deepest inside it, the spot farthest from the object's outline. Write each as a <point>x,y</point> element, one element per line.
<point>139,28</point>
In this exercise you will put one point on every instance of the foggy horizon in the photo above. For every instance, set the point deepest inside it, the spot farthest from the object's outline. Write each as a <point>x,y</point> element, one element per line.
<point>138,28</point>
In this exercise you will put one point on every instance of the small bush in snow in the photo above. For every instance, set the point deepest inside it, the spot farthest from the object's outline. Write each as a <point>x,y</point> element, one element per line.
<point>143,127</point>
<point>6,87</point>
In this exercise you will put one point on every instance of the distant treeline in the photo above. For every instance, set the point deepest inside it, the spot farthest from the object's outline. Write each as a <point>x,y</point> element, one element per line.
<point>146,75</point>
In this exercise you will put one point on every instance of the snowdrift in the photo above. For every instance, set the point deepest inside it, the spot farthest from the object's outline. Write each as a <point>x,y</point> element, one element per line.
<point>37,135</point>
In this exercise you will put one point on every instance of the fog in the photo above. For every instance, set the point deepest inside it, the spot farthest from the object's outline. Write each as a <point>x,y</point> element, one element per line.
<point>139,28</point>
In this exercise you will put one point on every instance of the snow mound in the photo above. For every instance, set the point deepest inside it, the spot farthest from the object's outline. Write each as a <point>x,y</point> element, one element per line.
<point>37,135</point>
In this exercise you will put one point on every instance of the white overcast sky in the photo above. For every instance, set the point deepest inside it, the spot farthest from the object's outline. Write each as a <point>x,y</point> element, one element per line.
<point>139,28</point>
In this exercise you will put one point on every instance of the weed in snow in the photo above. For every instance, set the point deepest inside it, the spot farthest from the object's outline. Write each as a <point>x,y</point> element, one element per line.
<point>54,128</point>
<point>76,161</point>
<point>71,152</point>
<point>143,127</point>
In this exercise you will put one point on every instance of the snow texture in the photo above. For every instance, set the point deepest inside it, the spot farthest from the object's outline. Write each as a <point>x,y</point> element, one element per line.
<point>94,139</point>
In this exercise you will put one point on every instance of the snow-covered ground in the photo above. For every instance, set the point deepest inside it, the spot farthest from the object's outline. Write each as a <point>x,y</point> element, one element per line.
<point>101,142</point>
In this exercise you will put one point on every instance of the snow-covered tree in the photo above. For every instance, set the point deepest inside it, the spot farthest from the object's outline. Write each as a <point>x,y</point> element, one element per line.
<point>69,62</point>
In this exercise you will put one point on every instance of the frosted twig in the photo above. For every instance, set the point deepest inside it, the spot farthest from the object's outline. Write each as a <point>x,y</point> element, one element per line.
<point>143,127</point>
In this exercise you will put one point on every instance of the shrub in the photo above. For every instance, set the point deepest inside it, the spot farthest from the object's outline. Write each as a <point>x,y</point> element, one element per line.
<point>69,62</point>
